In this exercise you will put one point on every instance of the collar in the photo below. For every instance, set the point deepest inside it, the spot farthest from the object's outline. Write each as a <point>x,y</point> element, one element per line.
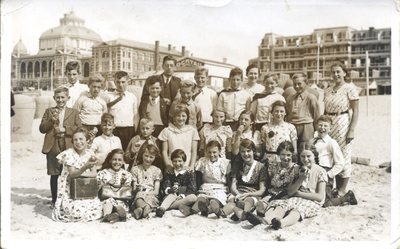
<point>62,109</point>
<point>212,163</point>
<point>179,172</point>
<point>107,137</point>
<point>325,138</point>
<point>149,138</point>
<point>119,93</point>
<point>166,78</point>
<point>303,95</point>
<point>187,103</point>
<point>89,95</point>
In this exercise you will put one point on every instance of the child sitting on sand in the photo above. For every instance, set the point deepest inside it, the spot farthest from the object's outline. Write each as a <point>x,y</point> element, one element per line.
<point>179,185</point>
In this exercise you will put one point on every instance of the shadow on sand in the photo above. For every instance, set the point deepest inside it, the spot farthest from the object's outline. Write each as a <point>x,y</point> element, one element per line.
<point>39,198</point>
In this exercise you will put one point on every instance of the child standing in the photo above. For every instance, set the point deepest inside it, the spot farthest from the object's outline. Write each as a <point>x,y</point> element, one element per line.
<point>58,123</point>
<point>76,89</point>
<point>307,192</point>
<point>212,174</point>
<point>76,163</point>
<point>277,131</point>
<point>186,92</point>
<point>146,129</point>
<point>90,106</point>
<point>104,144</point>
<point>331,159</point>
<point>252,73</point>
<point>234,100</point>
<point>123,105</point>
<point>303,109</point>
<point>246,130</point>
<point>262,102</point>
<point>179,135</point>
<point>154,106</point>
<point>112,173</point>
<point>179,185</point>
<point>146,179</point>
<point>218,132</point>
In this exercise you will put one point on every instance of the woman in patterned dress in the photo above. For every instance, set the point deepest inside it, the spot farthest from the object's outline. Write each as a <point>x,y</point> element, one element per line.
<point>277,131</point>
<point>339,99</point>
<point>76,162</point>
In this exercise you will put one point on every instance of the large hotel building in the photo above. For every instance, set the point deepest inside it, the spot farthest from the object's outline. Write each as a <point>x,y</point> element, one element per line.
<point>288,55</point>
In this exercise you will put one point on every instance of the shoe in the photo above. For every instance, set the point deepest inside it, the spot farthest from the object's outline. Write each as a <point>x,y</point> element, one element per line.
<point>215,207</point>
<point>255,219</point>
<point>52,205</point>
<point>203,208</point>
<point>186,210</point>
<point>276,223</point>
<point>160,211</point>
<point>121,213</point>
<point>146,210</point>
<point>335,193</point>
<point>240,204</point>
<point>234,217</point>
<point>260,209</point>
<point>111,218</point>
<point>137,213</point>
<point>239,213</point>
<point>350,197</point>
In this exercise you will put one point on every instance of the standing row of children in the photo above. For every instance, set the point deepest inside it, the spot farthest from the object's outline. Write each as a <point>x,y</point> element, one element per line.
<point>244,123</point>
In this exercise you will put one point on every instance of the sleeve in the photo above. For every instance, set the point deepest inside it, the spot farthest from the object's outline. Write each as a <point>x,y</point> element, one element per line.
<point>134,173</point>
<point>145,92</point>
<point>159,175</point>
<point>322,176</point>
<point>235,169</point>
<point>228,131</point>
<point>199,166</point>
<point>191,183</point>
<point>214,99</point>
<point>195,136</point>
<point>220,103</point>
<point>78,104</point>
<point>102,177</point>
<point>199,117</point>
<point>263,134</point>
<point>128,152</point>
<point>352,93</point>
<point>76,122</point>
<point>167,182</point>
<point>172,107</point>
<point>263,173</point>
<point>95,146</point>
<point>135,107</point>
<point>338,159</point>
<point>129,179</point>
<point>257,137</point>
<point>202,140</point>
<point>253,107</point>
<point>104,105</point>
<point>314,109</point>
<point>293,132</point>
<point>68,158</point>
<point>46,124</point>
<point>163,136</point>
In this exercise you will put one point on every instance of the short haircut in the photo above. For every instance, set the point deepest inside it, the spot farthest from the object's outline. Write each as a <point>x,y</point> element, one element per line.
<point>178,109</point>
<point>61,89</point>
<point>278,103</point>
<point>300,75</point>
<point>325,118</point>
<point>120,74</point>
<point>272,75</point>
<point>169,58</point>
<point>247,143</point>
<point>81,130</point>
<point>145,121</point>
<point>213,143</point>
<point>339,64</point>
<point>285,145</point>
<point>178,154</point>
<point>97,78</point>
<point>107,117</point>
<point>154,79</point>
<point>187,84</point>
<point>311,147</point>
<point>251,66</point>
<point>73,65</point>
<point>201,70</point>
<point>236,71</point>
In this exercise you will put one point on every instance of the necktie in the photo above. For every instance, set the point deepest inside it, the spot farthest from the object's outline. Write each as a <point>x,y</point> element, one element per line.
<point>153,100</point>
<point>317,139</point>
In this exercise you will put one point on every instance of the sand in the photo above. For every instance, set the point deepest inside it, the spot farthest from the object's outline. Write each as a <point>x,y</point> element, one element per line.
<point>370,220</point>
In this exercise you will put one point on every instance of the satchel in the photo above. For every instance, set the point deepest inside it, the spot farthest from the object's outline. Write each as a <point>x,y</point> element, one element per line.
<point>123,193</point>
<point>83,188</point>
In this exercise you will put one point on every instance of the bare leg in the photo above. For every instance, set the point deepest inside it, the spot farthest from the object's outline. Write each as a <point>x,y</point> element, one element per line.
<point>188,200</point>
<point>195,206</point>
<point>341,184</point>
<point>290,219</point>
<point>171,198</point>
<point>228,208</point>
<point>276,212</point>
<point>107,208</point>
<point>248,204</point>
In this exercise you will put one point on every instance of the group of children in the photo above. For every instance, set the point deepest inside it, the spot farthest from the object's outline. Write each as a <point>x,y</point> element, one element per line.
<point>237,154</point>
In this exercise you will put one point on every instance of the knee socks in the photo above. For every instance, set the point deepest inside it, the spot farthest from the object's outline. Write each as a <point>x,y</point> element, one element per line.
<point>53,187</point>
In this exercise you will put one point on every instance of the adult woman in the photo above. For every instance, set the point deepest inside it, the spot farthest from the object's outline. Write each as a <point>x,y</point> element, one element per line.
<point>339,99</point>
<point>252,86</point>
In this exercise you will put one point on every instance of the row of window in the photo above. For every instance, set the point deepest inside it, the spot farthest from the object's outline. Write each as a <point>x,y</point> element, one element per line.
<point>136,55</point>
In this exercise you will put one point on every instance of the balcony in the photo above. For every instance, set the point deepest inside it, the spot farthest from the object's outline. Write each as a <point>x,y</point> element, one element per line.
<point>376,52</point>
<point>370,39</point>
<point>265,58</point>
<point>288,70</point>
<point>281,57</point>
<point>264,46</point>
<point>382,64</point>
<point>328,54</point>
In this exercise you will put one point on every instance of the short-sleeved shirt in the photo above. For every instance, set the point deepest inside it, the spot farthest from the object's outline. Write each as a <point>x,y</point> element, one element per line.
<point>146,178</point>
<point>262,107</point>
<point>256,88</point>
<point>208,133</point>
<point>310,184</point>
<point>75,91</point>
<point>125,110</point>
<point>90,109</point>
<point>180,139</point>
<point>102,145</point>
<point>233,103</point>
<point>213,172</point>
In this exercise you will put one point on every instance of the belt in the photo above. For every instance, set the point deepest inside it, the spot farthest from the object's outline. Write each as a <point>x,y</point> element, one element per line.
<point>271,152</point>
<point>336,113</point>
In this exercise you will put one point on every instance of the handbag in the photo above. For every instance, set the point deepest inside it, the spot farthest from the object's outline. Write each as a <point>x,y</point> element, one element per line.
<point>123,193</point>
<point>83,188</point>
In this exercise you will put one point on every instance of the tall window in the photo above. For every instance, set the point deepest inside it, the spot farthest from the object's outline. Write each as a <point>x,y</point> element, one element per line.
<point>135,55</point>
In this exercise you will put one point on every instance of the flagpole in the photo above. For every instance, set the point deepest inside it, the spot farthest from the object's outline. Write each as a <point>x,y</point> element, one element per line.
<point>367,73</point>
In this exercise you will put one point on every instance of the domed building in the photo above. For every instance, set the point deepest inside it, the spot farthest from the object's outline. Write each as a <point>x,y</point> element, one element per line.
<point>71,40</point>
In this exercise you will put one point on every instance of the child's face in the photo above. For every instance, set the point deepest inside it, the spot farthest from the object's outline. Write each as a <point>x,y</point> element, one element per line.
<point>269,85</point>
<point>213,153</point>
<point>72,76</point>
<point>252,76</point>
<point>180,119</point>
<point>116,161</point>
<point>246,121</point>
<point>155,90</point>
<point>186,94</point>
<point>307,158</point>
<point>218,117</point>
<point>299,85</point>
<point>61,99</point>
<point>148,158</point>
<point>247,155</point>
<point>95,88</point>
<point>279,113</point>
<point>121,84</point>
<point>235,81</point>
<point>323,128</point>
<point>286,158</point>
<point>201,79</point>
<point>178,163</point>
<point>79,142</point>
<point>107,127</point>
<point>146,129</point>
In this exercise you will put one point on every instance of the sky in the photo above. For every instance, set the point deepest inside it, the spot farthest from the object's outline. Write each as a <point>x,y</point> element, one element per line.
<point>231,29</point>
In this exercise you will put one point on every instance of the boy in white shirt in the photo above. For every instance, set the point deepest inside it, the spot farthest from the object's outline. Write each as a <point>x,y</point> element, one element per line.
<point>76,89</point>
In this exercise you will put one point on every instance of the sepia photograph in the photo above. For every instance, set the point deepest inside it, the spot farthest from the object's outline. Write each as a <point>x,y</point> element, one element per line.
<point>199,123</point>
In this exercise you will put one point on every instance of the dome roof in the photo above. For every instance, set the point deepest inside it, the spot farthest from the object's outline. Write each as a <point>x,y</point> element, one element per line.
<point>20,48</point>
<point>72,26</point>
<point>65,41</point>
